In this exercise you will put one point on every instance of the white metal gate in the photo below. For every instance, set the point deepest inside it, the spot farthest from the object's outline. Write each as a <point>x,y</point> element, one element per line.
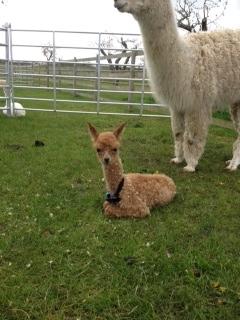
<point>75,72</point>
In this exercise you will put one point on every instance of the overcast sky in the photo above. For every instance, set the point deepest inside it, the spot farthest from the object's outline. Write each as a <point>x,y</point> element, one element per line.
<point>83,15</point>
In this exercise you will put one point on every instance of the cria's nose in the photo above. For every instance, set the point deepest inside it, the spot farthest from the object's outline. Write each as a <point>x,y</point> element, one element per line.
<point>106,160</point>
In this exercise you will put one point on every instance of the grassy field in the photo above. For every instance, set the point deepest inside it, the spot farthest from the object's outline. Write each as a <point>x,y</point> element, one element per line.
<point>61,259</point>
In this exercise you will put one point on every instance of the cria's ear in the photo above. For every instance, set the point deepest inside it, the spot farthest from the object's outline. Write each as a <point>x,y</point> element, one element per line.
<point>117,132</point>
<point>93,132</point>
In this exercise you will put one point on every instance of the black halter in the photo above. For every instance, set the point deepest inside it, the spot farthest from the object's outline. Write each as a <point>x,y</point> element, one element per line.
<point>114,197</point>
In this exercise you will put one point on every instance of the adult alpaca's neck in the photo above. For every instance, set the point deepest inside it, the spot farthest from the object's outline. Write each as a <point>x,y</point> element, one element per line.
<point>165,51</point>
<point>113,174</point>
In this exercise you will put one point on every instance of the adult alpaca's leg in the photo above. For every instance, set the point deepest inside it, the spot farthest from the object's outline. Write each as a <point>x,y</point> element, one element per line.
<point>177,122</point>
<point>235,114</point>
<point>196,129</point>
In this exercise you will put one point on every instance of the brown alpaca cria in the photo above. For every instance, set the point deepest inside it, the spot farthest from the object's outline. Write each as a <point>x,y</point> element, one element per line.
<point>133,194</point>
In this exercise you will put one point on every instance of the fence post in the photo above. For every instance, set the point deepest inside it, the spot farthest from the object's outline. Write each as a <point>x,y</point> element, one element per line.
<point>96,82</point>
<point>47,72</point>
<point>59,71</point>
<point>32,78</point>
<point>143,87</point>
<point>54,73</point>
<point>75,74</point>
<point>9,71</point>
<point>98,74</point>
<point>39,78</point>
<point>131,84</point>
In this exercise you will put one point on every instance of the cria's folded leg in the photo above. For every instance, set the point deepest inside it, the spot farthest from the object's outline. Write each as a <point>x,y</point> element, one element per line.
<point>116,211</point>
<point>196,129</point>
<point>235,114</point>
<point>177,122</point>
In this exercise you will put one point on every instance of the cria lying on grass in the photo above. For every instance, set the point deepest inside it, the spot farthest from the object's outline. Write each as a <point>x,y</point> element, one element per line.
<point>133,194</point>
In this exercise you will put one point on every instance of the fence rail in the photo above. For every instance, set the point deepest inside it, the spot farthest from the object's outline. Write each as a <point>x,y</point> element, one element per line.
<point>63,75</point>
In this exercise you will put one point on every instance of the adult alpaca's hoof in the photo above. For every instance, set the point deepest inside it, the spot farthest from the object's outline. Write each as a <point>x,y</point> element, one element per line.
<point>176,160</point>
<point>189,169</point>
<point>232,165</point>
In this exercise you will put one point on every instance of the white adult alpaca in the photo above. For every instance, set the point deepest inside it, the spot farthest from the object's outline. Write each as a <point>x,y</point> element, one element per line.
<point>18,108</point>
<point>193,75</point>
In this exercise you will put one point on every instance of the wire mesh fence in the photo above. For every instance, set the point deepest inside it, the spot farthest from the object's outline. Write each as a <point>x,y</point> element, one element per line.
<point>75,72</point>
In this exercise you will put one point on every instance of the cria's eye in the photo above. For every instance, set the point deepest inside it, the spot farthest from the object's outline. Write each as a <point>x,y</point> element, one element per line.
<point>114,150</point>
<point>98,150</point>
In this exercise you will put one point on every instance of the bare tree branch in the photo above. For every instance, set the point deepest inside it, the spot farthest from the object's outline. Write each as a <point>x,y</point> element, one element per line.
<point>48,52</point>
<point>106,50</point>
<point>197,15</point>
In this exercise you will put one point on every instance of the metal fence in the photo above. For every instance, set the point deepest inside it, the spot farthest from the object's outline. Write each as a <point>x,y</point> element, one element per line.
<point>75,72</point>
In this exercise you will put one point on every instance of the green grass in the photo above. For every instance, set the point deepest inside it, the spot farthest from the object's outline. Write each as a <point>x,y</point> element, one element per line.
<point>60,258</point>
<point>224,115</point>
